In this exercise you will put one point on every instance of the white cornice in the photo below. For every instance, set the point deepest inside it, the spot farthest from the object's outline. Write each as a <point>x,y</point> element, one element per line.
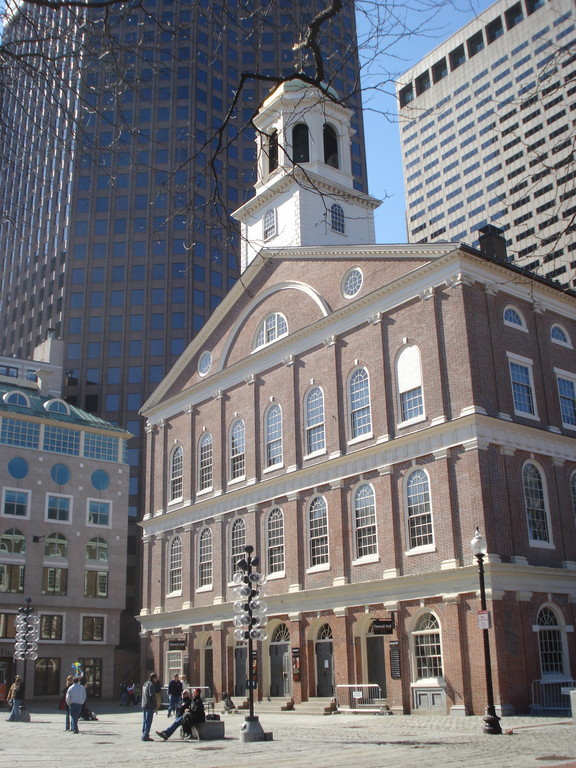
<point>501,578</point>
<point>474,429</point>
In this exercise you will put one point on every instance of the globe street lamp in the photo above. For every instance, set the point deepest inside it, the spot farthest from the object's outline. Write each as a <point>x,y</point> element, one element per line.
<point>249,623</point>
<point>491,719</point>
<point>26,643</point>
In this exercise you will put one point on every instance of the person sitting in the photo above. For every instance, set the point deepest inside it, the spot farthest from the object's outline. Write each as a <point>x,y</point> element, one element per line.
<point>190,712</point>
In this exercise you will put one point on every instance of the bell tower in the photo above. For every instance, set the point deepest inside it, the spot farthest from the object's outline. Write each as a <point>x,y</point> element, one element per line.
<point>305,192</point>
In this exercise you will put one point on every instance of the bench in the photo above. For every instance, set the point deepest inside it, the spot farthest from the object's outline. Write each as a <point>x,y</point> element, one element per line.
<point>210,730</point>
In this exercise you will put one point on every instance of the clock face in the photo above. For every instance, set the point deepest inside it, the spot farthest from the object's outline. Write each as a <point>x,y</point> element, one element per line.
<point>205,363</point>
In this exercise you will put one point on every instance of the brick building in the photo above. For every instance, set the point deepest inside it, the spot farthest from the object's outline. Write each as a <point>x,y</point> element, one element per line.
<point>354,411</point>
<point>63,528</point>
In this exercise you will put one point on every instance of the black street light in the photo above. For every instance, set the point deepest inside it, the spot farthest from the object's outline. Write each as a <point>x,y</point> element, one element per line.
<point>26,643</point>
<point>491,719</point>
<point>249,621</point>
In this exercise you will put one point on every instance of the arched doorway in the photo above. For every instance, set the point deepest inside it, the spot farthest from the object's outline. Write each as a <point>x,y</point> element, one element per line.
<point>280,662</point>
<point>240,670</point>
<point>324,649</point>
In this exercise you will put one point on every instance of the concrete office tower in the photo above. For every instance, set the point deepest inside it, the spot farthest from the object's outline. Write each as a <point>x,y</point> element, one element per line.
<point>488,134</point>
<point>107,233</point>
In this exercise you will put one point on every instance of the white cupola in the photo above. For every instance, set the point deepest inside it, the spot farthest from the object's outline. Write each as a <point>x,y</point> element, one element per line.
<point>305,192</point>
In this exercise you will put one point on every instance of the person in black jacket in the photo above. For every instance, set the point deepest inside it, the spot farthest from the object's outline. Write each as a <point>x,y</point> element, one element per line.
<point>174,694</point>
<point>148,706</point>
<point>189,713</point>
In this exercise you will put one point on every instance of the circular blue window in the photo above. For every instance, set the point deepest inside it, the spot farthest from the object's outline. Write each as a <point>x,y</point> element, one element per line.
<point>18,467</point>
<point>100,479</point>
<point>60,474</point>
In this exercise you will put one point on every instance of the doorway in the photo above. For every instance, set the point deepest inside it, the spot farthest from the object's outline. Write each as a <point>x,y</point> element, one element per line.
<point>324,662</point>
<point>280,682</point>
<point>375,662</point>
<point>240,670</point>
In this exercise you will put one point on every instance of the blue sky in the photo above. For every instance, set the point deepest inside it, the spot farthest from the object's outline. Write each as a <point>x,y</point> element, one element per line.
<point>382,134</point>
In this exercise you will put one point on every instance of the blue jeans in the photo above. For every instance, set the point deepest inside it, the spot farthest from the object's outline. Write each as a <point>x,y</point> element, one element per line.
<point>67,717</point>
<point>176,724</point>
<point>15,711</point>
<point>147,717</point>
<point>75,710</point>
<point>174,703</point>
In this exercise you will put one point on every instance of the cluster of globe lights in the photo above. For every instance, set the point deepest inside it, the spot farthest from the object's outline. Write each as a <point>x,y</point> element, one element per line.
<point>250,610</point>
<point>27,630</point>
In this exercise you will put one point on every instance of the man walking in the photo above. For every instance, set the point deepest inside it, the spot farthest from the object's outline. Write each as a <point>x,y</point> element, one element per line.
<point>75,698</point>
<point>148,706</point>
<point>174,694</point>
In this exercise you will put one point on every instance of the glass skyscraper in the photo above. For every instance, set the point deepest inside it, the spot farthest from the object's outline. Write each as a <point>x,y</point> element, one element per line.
<point>120,165</point>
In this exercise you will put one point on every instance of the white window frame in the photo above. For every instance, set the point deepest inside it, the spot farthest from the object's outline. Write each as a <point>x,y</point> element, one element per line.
<point>272,328</point>
<point>316,424</point>
<point>98,501</point>
<point>337,219</point>
<point>567,376</point>
<point>60,496</point>
<point>205,560</point>
<point>273,438</point>
<point>560,342</point>
<point>562,628</point>
<point>425,681</point>
<point>204,442</point>
<point>237,544</point>
<point>235,455</point>
<point>176,475</point>
<point>430,547</point>
<point>324,565</point>
<point>527,363</point>
<point>281,572</point>
<point>174,571</point>
<point>518,326</point>
<point>174,664</point>
<point>408,379</point>
<point>540,543</point>
<point>28,495</point>
<point>367,433</point>
<point>269,224</point>
<point>371,557</point>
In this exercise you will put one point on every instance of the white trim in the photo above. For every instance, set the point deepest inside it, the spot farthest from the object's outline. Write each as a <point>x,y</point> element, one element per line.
<point>28,503</point>
<point>60,496</point>
<point>99,501</point>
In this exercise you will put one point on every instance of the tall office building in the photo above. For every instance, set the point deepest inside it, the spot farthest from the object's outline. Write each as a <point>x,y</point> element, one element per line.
<point>115,226</point>
<point>488,134</point>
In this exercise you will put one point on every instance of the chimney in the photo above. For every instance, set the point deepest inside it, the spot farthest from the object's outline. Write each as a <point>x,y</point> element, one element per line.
<point>492,242</point>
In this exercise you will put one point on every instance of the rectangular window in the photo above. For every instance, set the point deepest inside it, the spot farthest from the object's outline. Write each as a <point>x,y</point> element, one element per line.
<point>92,629</point>
<point>412,403</point>
<point>15,503</point>
<point>24,434</point>
<point>98,512</point>
<point>61,440</point>
<point>494,30</point>
<point>96,583</point>
<point>54,581</point>
<point>11,578</point>
<point>58,508</point>
<point>51,626</point>
<point>567,395</point>
<point>522,387</point>
<point>8,626</point>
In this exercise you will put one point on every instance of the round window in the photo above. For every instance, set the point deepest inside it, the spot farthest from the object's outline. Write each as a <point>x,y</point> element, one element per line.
<point>205,363</point>
<point>352,283</point>
<point>100,479</point>
<point>60,474</point>
<point>18,467</point>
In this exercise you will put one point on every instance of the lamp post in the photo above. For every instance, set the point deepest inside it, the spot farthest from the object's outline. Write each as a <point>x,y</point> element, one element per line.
<point>249,621</point>
<point>491,719</point>
<point>26,644</point>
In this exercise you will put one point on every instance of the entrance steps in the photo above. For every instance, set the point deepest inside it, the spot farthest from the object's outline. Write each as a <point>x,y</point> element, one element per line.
<point>285,705</point>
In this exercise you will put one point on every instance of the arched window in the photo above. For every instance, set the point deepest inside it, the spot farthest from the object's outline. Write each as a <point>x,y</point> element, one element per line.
<point>325,633</point>
<point>176,473</point>
<point>281,634</point>
<point>337,222</point>
<point>420,533</point>
<point>512,316</point>
<point>536,504</point>
<point>427,648</point>
<point>175,565</point>
<point>97,550</point>
<point>56,545</point>
<point>13,542</point>
<point>359,393</point>
<point>237,543</point>
<point>559,335</point>
<point>330,146</point>
<point>409,378</point>
<point>550,643</point>
<point>314,420</point>
<point>300,147</point>
<point>205,462</point>
<point>273,151</point>
<point>16,398</point>
<point>57,406</point>
<point>318,531</point>
<point>269,228</point>
<point>237,450</point>
<point>273,435</point>
<point>275,536</point>
<point>205,559</point>
<point>365,521</point>
<point>272,328</point>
